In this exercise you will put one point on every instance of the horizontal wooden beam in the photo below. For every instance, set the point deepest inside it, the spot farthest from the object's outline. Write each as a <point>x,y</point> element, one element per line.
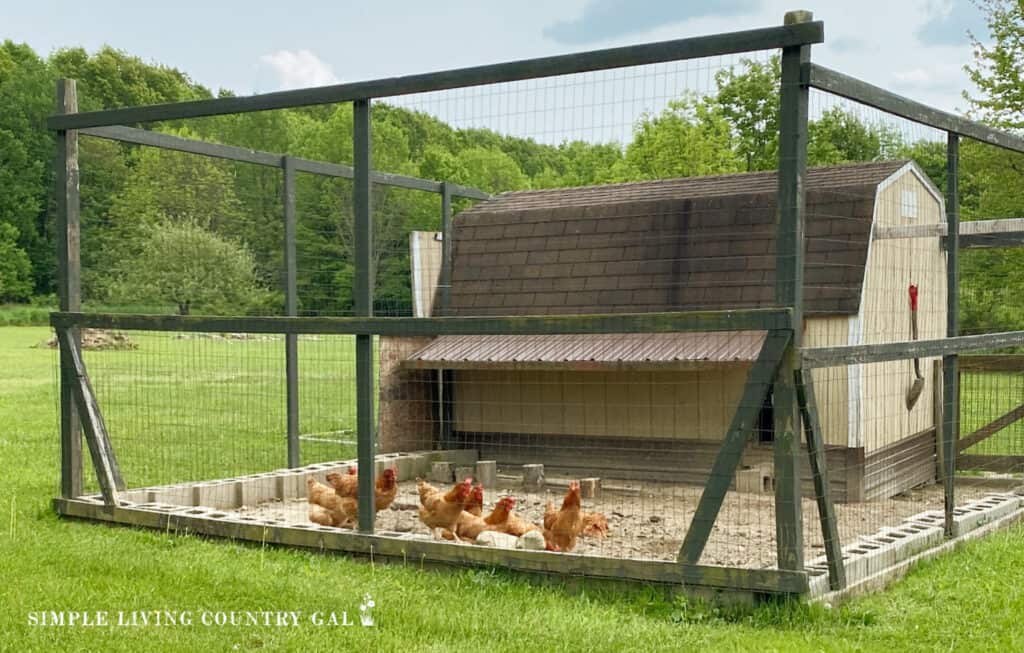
<point>990,429</point>
<point>992,363</point>
<point>976,234</point>
<point>895,351</point>
<point>402,547</point>
<point>990,463</point>
<point>854,89</point>
<point>269,159</point>
<point>635,55</point>
<point>910,231</point>
<point>748,320</point>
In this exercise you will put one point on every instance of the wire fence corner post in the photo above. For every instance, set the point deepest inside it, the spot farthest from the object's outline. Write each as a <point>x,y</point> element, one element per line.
<point>69,286</point>
<point>363,295</point>
<point>793,136</point>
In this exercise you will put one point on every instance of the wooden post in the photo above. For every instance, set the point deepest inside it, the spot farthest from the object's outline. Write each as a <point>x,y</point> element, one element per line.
<point>69,271</point>
<point>363,292</point>
<point>789,275</point>
<point>291,309</point>
<point>950,374</point>
<point>446,249</point>
<point>819,476</point>
<point>446,378</point>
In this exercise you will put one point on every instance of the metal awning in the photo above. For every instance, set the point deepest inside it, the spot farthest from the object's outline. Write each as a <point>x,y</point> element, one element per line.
<point>634,351</point>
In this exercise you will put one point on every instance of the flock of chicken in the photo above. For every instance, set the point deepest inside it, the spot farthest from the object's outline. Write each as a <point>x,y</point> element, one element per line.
<point>457,513</point>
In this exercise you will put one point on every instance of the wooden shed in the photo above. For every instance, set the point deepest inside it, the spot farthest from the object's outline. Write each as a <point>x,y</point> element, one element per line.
<point>657,405</point>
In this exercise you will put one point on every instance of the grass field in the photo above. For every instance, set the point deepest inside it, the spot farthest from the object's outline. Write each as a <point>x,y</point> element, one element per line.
<point>969,601</point>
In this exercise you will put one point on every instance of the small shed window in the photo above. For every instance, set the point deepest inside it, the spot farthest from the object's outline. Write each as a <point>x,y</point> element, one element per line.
<point>908,204</point>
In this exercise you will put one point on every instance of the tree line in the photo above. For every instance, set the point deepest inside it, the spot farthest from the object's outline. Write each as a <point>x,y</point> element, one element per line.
<point>191,233</point>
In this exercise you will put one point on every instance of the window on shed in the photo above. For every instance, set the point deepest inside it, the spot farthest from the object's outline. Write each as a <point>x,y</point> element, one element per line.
<point>908,203</point>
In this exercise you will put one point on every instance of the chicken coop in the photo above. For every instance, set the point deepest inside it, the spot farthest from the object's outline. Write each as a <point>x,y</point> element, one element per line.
<point>672,361</point>
<point>677,245</point>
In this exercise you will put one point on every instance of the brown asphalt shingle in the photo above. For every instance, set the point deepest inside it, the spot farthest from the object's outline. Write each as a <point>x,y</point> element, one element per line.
<point>681,244</point>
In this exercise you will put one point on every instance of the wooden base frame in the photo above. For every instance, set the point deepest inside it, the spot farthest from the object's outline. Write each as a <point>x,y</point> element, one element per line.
<point>404,547</point>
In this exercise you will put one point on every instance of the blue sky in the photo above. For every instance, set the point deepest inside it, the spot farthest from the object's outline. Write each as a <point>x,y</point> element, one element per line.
<point>916,47</point>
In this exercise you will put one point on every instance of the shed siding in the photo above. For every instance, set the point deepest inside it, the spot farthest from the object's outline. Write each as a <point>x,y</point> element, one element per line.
<point>894,264</point>
<point>695,405</point>
<point>830,384</point>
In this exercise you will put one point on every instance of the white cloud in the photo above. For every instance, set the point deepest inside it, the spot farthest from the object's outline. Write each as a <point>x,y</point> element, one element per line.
<point>299,69</point>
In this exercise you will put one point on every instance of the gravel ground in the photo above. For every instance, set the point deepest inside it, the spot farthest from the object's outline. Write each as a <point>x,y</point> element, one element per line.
<point>649,521</point>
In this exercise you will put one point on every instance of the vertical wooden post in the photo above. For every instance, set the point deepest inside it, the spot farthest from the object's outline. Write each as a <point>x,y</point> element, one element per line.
<point>789,273</point>
<point>69,271</point>
<point>291,309</point>
<point>446,249</point>
<point>363,235</point>
<point>445,378</point>
<point>950,374</point>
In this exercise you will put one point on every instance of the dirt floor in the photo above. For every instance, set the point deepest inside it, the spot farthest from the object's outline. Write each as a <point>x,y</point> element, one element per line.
<point>650,523</point>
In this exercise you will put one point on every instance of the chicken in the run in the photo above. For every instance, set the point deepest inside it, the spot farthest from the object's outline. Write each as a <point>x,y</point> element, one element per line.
<point>441,510</point>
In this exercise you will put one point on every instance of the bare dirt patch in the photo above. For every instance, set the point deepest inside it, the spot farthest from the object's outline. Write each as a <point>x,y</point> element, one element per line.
<point>649,521</point>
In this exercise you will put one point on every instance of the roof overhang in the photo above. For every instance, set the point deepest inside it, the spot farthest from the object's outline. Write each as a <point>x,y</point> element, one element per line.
<point>591,352</point>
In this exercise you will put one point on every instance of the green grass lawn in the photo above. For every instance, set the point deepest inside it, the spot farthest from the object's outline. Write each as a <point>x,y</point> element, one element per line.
<point>971,600</point>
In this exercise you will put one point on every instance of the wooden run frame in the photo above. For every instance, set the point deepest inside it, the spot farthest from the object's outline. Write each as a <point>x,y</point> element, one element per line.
<point>779,356</point>
<point>781,366</point>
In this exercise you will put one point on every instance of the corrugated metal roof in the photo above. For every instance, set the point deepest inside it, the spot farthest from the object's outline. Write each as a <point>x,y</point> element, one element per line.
<point>600,351</point>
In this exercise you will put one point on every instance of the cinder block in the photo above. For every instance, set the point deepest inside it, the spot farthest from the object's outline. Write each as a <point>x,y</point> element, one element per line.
<point>419,467</point>
<point>757,479</point>
<point>442,472</point>
<point>460,456</point>
<point>590,487</point>
<point>487,473</point>
<point>533,476</point>
<point>403,467</point>
<point>465,471</point>
<point>214,495</point>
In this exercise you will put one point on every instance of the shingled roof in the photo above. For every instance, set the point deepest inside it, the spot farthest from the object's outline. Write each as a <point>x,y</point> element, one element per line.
<point>698,243</point>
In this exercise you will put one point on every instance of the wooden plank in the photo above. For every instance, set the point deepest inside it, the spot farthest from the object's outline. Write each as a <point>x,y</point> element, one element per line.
<point>854,89</point>
<point>992,363</point>
<point>990,429</point>
<point>108,473</point>
<point>151,138</point>
<point>976,234</point>
<point>567,64</point>
<point>746,320</point>
<point>269,159</point>
<point>990,463</point>
<point>894,351</point>
<point>819,472</point>
<point>445,282</point>
<point>416,550</point>
<point>894,232</point>
<point>68,283</point>
<point>724,468</point>
<point>291,308</point>
<point>362,211</point>
<point>937,411</point>
<point>789,283</point>
<point>950,373</point>
<point>992,241</point>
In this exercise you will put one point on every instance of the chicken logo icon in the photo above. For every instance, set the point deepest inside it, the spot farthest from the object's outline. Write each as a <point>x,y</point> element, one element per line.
<point>366,610</point>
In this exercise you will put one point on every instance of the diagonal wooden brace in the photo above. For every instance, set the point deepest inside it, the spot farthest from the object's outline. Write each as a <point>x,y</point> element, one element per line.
<point>759,381</point>
<point>819,474</point>
<point>108,472</point>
